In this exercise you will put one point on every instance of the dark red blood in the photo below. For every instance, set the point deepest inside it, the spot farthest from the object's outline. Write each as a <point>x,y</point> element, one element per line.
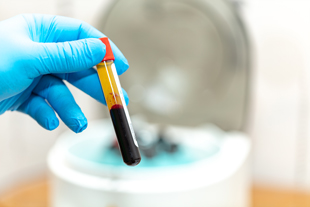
<point>130,152</point>
<point>117,106</point>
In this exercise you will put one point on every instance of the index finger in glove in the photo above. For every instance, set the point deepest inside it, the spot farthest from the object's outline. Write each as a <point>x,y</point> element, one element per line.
<point>63,29</point>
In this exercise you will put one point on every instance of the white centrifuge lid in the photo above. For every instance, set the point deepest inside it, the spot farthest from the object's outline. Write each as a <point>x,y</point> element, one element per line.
<point>189,60</point>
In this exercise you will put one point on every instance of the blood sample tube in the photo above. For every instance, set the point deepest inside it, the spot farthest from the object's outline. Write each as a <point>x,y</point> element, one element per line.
<point>115,101</point>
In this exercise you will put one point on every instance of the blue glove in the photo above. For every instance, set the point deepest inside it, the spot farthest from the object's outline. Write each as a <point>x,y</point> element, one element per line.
<point>38,52</point>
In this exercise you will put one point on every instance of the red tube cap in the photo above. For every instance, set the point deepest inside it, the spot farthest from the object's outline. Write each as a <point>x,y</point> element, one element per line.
<point>109,53</point>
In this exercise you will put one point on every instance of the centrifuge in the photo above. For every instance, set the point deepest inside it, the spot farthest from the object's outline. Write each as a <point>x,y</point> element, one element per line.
<point>188,88</point>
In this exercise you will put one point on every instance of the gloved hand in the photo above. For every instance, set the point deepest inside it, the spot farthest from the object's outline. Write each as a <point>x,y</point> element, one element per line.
<point>38,52</point>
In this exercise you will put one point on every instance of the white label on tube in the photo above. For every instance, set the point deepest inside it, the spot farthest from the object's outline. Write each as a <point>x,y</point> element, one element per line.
<point>124,103</point>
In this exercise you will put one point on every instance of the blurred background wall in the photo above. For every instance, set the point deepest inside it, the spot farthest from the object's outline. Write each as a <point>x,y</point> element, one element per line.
<point>279,124</point>
<point>279,31</point>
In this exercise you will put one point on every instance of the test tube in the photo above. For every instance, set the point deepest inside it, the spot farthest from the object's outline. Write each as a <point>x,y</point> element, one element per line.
<point>118,110</point>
